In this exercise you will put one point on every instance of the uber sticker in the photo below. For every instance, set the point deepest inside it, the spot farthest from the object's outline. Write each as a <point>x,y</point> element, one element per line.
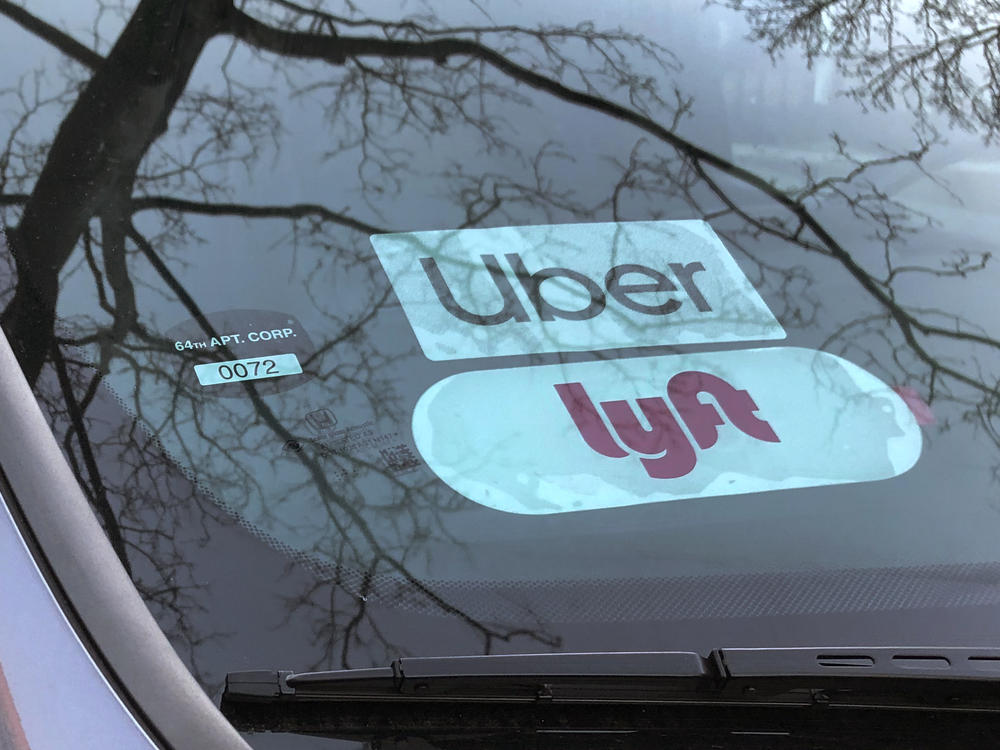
<point>571,287</point>
<point>589,435</point>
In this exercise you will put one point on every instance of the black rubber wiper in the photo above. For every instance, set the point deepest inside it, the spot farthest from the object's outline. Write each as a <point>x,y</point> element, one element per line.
<point>612,691</point>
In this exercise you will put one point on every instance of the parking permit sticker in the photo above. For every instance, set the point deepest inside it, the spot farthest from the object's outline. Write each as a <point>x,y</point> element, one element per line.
<point>589,435</point>
<point>571,287</point>
<point>265,346</point>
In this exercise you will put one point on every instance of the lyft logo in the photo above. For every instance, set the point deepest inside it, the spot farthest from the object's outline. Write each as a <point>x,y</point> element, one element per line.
<point>666,452</point>
<point>571,287</point>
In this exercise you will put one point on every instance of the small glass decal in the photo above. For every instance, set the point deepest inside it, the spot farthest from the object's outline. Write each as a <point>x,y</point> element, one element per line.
<point>223,349</point>
<point>257,368</point>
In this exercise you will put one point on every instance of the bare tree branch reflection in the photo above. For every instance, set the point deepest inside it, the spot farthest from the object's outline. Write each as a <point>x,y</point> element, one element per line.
<point>130,194</point>
<point>929,56</point>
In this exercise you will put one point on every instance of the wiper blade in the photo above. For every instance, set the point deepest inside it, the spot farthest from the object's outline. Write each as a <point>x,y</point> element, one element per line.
<point>805,675</point>
<point>517,677</point>
<point>704,701</point>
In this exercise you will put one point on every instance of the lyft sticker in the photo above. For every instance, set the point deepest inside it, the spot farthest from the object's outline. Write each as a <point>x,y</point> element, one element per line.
<point>571,287</point>
<point>619,432</point>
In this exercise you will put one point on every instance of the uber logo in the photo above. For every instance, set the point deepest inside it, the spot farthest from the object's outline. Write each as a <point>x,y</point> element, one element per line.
<point>571,287</point>
<point>531,283</point>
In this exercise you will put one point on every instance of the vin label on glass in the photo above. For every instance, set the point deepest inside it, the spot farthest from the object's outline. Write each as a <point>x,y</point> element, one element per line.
<point>255,368</point>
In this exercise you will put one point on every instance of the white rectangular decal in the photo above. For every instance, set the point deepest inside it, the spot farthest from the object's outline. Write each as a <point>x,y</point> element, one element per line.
<point>571,287</point>
<point>256,368</point>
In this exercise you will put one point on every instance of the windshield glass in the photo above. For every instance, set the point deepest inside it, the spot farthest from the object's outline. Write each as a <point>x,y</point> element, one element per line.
<point>464,328</point>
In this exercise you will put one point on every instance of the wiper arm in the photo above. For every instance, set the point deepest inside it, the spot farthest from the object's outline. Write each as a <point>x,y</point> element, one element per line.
<point>881,662</point>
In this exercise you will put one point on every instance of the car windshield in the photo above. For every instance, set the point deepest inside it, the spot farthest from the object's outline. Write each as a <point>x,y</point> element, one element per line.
<point>475,327</point>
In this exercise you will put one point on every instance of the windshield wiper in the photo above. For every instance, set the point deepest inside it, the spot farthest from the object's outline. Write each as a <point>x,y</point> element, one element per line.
<point>653,676</point>
<point>647,691</point>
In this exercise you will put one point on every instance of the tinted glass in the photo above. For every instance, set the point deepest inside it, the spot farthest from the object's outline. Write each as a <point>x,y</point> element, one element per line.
<point>271,275</point>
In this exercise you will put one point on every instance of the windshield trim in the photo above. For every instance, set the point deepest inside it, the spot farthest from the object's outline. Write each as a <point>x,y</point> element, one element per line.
<point>93,589</point>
